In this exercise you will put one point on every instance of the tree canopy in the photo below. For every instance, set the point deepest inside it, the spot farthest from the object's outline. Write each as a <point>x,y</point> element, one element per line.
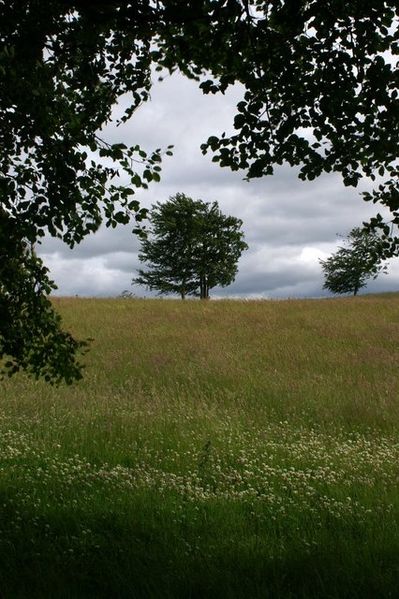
<point>320,92</point>
<point>191,247</point>
<point>352,265</point>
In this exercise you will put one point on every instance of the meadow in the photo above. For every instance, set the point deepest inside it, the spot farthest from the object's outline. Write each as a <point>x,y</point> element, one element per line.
<point>214,449</point>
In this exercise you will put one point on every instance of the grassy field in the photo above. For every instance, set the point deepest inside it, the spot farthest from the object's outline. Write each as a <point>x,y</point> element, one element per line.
<point>214,449</point>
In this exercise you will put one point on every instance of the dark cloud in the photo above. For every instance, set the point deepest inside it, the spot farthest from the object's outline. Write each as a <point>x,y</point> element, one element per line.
<point>289,224</point>
<point>105,241</point>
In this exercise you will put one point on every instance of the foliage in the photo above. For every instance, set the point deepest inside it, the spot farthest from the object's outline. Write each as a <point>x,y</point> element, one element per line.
<point>62,68</point>
<point>320,92</point>
<point>30,330</point>
<point>349,269</point>
<point>192,247</point>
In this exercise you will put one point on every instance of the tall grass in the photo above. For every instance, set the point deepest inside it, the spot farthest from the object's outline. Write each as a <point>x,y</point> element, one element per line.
<point>213,449</point>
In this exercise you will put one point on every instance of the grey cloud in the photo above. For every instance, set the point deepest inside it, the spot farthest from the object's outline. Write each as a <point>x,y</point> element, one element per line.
<point>163,120</point>
<point>122,261</point>
<point>288,223</point>
<point>86,277</point>
<point>105,241</point>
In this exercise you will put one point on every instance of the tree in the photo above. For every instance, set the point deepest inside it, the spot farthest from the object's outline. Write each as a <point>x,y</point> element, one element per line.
<point>191,247</point>
<point>319,92</point>
<point>62,68</point>
<point>30,330</point>
<point>348,270</point>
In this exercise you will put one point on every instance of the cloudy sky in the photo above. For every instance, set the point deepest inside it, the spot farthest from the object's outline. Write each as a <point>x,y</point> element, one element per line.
<point>288,224</point>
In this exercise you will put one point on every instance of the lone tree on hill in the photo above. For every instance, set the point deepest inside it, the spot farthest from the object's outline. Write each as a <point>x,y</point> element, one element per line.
<point>304,66</point>
<point>349,269</point>
<point>191,247</point>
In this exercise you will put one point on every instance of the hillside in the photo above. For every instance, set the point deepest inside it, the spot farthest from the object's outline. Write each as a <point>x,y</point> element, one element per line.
<point>213,449</point>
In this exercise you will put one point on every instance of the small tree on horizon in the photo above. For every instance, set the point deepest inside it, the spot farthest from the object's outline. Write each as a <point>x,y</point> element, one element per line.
<point>191,247</point>
<point>352,265</point>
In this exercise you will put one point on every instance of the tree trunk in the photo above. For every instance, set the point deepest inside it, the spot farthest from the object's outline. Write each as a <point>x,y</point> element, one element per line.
<point>204,288</point>
<point>183,289</point>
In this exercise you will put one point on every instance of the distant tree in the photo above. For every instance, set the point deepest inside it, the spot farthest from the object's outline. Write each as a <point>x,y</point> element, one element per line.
<point>126,294</point>
<point>349,269</point>
<point>191,247</point>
